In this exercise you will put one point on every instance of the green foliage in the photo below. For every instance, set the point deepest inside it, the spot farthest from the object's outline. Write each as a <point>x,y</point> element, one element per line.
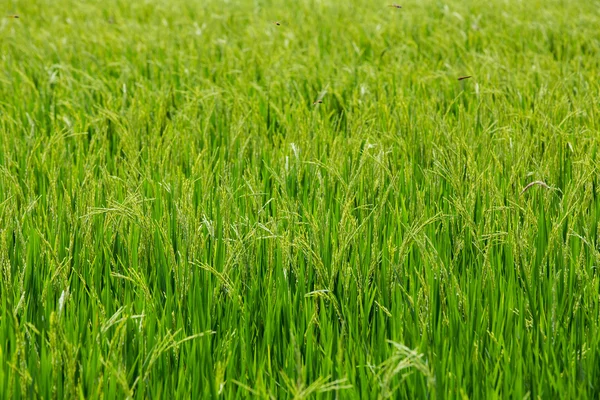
<point>178,219</point>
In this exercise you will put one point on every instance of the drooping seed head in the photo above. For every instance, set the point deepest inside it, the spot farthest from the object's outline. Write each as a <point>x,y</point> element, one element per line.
<point>534,183</point>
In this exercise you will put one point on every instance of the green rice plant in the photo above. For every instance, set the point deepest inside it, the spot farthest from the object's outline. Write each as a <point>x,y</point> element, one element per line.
<point>199,202</point>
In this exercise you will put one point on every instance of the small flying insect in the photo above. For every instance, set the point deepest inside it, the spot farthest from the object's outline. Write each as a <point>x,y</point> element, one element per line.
<point>12,16</point>
<point>462,78</point>
<point>395,6</point>
<point>319,99</point>
<point>277,23</point>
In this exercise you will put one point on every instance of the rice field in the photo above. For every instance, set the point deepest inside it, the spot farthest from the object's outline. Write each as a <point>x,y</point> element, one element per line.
<point>310,199</point>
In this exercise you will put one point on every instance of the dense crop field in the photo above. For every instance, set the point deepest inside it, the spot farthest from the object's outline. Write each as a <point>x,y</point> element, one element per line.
<point>291,199</point>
